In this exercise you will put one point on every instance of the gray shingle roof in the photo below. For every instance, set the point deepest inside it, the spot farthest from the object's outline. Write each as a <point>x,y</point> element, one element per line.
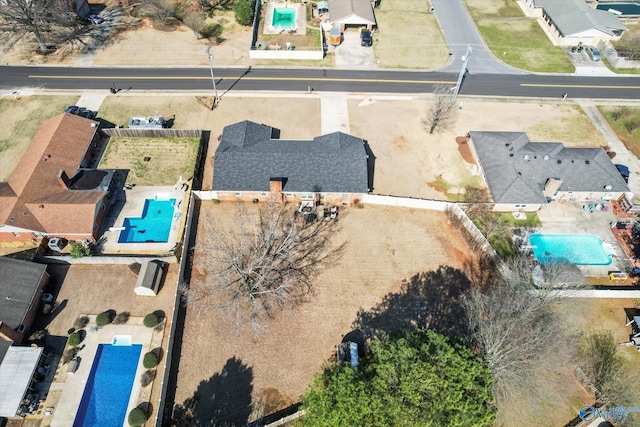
<point>18,283</point>
<point>249,156</point>
<point>341,9</point>
<point>517,170</point>
<point>575,16</point>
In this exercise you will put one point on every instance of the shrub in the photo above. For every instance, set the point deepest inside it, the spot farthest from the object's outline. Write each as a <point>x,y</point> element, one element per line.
<point>69,354</point>
<point>243,11</point>
<point>103,318</point>
<point>150,360</point>
<point>78,250</point>
<point>81,322</point>
<point>137,417</point>
<point>211,31</point>
<point>122,318</point>
<point>151,320</point>
<point>147,378</point>
<point>74,339</point>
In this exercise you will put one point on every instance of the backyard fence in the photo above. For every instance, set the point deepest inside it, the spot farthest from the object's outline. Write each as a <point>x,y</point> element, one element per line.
<point>152,133</point>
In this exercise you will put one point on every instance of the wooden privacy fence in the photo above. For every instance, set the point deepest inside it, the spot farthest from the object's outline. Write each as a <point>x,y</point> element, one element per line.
<point>152,133</point>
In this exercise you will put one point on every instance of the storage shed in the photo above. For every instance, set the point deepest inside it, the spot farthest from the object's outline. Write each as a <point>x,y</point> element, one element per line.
<point>150,278</point>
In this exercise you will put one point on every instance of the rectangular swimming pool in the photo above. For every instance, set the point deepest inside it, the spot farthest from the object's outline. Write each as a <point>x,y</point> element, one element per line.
<point>153,226</point>
<point>579,249</point>
<point>106,394</point>
<point>284,17</point>
<point>626,9</point>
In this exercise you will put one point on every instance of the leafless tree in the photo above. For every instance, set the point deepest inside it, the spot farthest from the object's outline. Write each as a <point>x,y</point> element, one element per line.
<point>267,263</point>
<point>628,47</point>
<point>441,113</point>
<point>524,342</point>
<point>195,21</point>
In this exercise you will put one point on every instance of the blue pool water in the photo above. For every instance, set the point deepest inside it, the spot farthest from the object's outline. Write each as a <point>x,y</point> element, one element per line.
<point>108,388</point>
<point>153,226</point>
<point>627,9</point>
<point>579,249</point>
<point>284,17</point>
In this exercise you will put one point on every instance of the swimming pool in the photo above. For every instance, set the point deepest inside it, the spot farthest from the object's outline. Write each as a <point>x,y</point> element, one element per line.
<point>106,395</point>
<point>579,249</point>
<point>153,226</point>
<point>626,9</point>
<point>284,17</point>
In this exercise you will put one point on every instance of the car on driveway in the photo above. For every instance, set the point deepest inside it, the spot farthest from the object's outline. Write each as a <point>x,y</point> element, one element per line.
<point>366,38</point>
<point>624,171</point>
<point>594,53</point>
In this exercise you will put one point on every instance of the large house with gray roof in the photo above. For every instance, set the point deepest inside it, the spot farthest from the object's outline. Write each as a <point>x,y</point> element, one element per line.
<point>352,13</point>
<point>253,163</point>
<point>522,175</point>
<point>572,21</point>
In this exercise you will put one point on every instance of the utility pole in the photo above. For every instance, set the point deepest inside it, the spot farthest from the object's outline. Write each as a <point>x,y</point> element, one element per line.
<point>465,61</point>
<point>213,79</point>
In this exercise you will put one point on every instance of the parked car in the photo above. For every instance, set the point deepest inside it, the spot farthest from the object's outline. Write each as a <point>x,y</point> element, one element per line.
<point>594,53</point>
<point>95,19</point>
<point>72,109</point>
<point>366,38</point>
<point>624,171</point>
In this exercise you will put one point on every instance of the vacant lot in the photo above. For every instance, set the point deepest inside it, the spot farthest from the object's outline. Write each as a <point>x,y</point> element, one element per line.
<point>152,161</point>
<point>408,36</point>
<point>505,28</point>
<point>625,121</point>
<point>385,246</point>
<point>20,120</point>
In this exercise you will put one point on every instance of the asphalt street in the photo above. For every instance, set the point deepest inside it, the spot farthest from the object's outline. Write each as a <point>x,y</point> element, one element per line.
<point>299,80</point>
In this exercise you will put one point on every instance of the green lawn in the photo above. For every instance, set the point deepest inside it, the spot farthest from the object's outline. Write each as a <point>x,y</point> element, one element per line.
<point>515,39</point>
<point>627,125</point>
<point>408,36</point>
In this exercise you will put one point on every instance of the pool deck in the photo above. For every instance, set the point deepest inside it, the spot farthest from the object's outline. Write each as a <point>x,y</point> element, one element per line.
<point>73,387</point>
<point>130,203</point>
<point>569,218</point>
<point>301,23</point>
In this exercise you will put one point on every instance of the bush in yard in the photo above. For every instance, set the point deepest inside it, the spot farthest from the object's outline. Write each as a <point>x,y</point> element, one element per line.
<point>81,322</point>
<point>74,339</point>
<point>103,318</point>
<point>78,250</point>
<point>137,417</point>
<point>147,378</point>
<point>211,31</point>
<point>151,320</point>
<point>150,360</point>
<point>243,10</point>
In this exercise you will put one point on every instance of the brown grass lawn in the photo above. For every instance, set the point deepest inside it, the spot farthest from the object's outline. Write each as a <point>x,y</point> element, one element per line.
<point>408,36</point>
<point>20,120</point>
<point>385,246</point>
<point>168,159</point>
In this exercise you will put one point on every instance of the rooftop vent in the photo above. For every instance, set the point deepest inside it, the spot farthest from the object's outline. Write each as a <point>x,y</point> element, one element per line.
<point>559,161</point>
<point>526,157</point>
<point>510,154</point>
<point>586,162</point>
<point>546,157</point>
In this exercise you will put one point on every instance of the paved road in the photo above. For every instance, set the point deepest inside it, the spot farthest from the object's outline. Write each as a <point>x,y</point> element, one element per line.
<point>460,31</point>
<point>299,80</point>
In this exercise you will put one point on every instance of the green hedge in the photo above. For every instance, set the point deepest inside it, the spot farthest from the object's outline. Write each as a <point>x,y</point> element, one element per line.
<point>151,320</point>
<point>150,360</point>
<point>103,318</point>
<point>137,417</point>
<point>74,339</point>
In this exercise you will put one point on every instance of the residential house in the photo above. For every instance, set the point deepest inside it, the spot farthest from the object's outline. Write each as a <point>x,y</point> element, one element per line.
<point>522,175</point>
<point>572,21</point>
<point>352,13</point>
<point>21,287</point>
<point>252,163</point>
<point>54,191</point>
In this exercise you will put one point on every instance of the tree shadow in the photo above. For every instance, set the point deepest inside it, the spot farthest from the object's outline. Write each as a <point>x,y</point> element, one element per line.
<point>222,400</point>
<point>428,300</point>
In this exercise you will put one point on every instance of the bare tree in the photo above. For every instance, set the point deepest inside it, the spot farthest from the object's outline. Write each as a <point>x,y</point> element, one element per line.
<point>441,113</point>
<point>267,263</point>
<point>522,339</point>
<point>628,47</point>
<point>195,21</point>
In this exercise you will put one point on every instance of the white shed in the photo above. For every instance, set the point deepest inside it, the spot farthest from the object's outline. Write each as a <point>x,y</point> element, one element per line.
<point>150,278</point>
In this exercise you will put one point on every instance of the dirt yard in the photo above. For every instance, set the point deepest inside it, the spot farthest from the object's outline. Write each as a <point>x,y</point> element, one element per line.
<point>386,247</point>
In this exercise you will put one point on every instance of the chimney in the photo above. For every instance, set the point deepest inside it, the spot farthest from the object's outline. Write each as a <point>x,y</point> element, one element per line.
<point>275,187</point>
<point>63,179</point>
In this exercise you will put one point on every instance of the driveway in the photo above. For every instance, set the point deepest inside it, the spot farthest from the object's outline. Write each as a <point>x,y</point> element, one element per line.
<point>460,31</point>
<point>585,66</point>
<point>350,54</point>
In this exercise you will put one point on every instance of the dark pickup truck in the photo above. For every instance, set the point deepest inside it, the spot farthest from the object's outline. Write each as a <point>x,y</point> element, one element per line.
<point>366,38</point>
